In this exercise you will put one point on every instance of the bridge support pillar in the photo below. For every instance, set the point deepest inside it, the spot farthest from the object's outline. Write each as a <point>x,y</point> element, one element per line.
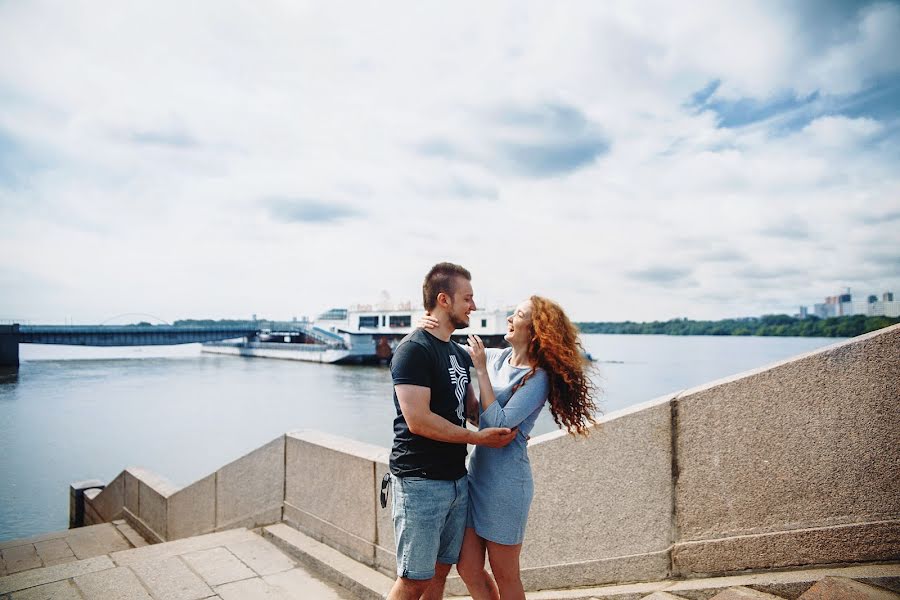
<point>9,345</point>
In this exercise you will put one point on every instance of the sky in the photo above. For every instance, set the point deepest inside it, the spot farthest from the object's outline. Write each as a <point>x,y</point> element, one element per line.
<point>633,160</point>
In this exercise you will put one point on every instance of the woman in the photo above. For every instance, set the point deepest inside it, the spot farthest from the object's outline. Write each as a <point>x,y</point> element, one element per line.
<point>543,363</point>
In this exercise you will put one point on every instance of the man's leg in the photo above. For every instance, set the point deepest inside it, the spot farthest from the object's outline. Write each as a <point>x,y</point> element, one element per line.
<point>435,589</point>
<point>408,589</point>
<point>419,512</point>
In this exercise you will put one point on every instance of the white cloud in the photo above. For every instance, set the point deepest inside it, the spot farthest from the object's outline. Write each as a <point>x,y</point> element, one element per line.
<point>225,159</point>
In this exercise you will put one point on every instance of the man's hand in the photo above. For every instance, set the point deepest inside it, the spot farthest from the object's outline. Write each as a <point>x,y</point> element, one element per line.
<point>495,437</point>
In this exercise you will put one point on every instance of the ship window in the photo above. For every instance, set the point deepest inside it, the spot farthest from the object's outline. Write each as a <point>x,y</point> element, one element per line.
<point>483,323</point>
<point>382,320</point>
<point>401,321</point>
<point>368,321</point>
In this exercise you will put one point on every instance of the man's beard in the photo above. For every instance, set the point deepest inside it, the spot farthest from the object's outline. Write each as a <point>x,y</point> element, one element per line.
<point>458,323</point>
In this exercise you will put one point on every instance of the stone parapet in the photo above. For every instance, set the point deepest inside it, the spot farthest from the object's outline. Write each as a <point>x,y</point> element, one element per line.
<point>791,465</point>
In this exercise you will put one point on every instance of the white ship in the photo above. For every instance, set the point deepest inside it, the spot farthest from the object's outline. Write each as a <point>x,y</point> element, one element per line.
<point>357,335</point>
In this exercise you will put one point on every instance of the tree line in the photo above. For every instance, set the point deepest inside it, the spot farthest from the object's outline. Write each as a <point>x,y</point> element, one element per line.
<point>767,325</point>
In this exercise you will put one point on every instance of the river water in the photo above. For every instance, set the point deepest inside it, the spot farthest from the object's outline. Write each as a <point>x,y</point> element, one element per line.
<point>74,413</point>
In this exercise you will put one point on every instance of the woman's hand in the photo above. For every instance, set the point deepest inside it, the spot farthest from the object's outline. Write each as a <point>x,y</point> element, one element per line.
<point>427,322</point>
<point>476,351</point>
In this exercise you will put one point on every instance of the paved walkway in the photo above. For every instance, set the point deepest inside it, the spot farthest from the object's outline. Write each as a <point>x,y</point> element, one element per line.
<point>112,562</point>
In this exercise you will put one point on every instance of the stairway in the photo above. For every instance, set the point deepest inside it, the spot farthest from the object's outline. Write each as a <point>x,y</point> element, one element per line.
<point>863,582</point>
<point>101,562</point>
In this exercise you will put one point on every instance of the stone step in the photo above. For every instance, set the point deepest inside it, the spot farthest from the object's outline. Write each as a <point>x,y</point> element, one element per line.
<point>66,546</point>
<point>744,593</point>
<point>843,588</point>
<point>361,581</point>
<point>228,565</point>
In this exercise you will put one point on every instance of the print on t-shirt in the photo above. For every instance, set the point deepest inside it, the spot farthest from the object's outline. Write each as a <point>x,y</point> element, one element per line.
<point>459,377</point>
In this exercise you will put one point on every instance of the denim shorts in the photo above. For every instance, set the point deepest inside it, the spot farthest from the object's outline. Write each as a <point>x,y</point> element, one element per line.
<point>429,523</point>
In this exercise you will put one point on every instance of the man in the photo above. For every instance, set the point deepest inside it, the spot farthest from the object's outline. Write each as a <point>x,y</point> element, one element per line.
<point>428,469</point>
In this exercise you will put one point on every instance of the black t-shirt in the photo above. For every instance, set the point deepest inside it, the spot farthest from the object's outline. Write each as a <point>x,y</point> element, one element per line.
<point>424,360</point>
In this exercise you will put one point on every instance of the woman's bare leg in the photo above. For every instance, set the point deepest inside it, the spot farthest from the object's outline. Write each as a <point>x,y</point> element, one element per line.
<point>505,567</point>
<point>471,568</point>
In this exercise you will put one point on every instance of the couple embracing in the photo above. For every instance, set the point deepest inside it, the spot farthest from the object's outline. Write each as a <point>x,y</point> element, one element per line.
<point>442,515</point>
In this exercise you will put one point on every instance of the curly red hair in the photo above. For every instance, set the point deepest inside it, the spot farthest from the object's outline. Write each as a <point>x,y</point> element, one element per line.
<point>556,349</point>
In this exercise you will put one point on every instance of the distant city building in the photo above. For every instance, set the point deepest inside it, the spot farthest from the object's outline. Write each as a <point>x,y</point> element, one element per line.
<point>843,305</point>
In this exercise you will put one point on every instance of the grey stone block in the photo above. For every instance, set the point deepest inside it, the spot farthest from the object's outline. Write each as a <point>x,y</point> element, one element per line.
<point>183,546</point>
<point>217,566</point>
<point>840,588</point>
<point>170,579</point>
<point>31,540</point>
<point>261,556</point>
<point>604,501</point>
<point>360,580</point>
<point>54,552</point>
<point>133,537</point>
<point>61,590</point>
<point>87,542</point>
<point>811,443</point>
<point>341,513</point>
<point>154,508</point>
<point>21,558</point>
<point>251,589</point>
<point>131,490</point>
<point>115,584</point>
<point>192,510</point>
<point>35,577</point>
<point>299,583</point>
<point>110,501</point>
<point>250,490</point>
<point>743,593</point>
<point>865,542</point>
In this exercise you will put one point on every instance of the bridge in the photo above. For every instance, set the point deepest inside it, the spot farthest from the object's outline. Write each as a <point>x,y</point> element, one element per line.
<point>110,335</point>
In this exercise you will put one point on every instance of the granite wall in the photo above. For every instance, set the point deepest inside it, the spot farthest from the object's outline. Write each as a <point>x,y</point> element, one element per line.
<point>794,464</point>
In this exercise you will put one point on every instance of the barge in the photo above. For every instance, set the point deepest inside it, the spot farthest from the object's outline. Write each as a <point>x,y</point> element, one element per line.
<point>361,334</point>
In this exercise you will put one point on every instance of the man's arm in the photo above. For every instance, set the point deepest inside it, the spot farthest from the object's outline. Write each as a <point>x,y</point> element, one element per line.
<point>415,404</point>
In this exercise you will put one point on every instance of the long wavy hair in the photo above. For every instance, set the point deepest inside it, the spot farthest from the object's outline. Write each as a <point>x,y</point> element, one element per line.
<point>556,349</point>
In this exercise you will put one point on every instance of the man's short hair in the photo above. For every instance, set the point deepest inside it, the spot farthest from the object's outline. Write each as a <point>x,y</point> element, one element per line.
<point>441,279</point>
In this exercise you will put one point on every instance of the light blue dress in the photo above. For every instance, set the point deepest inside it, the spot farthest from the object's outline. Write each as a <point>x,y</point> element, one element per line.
<point>500,483</point>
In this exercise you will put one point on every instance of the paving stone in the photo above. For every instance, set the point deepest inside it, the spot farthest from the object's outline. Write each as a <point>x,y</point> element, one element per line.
<point>170,579</point>
<point>114,584</point>
<point>60,590</point>
<point>87,542</point>
<point>21,558</point>
<point>53,552</point>
<point>200,542</point>
<point>252,589</point>
<point>217,566</point>
<point>38,538</point>
<point>27,579</point>
<point>743,593</point>
<point>60,561</point>
<point>261,556</point>
<point>299,583</point>
<point>841,588</point>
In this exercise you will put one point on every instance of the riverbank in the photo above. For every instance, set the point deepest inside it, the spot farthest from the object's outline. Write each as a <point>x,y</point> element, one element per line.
<point>765,326</point>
